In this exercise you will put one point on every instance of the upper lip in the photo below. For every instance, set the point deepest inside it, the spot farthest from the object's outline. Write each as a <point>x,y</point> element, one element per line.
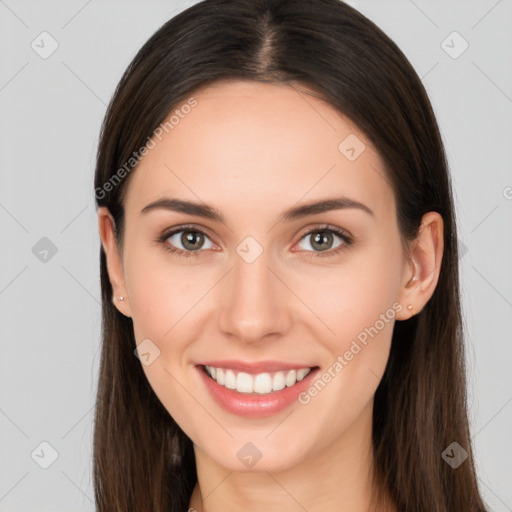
<point>255,367</point>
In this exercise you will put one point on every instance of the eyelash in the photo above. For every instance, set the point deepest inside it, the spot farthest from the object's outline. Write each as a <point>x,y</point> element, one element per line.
<point>347,241</point>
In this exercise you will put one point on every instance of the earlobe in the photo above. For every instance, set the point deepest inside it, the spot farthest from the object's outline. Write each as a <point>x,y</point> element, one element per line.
<point>107,231</point>
<point>120,305</point>
<point>424,266</point>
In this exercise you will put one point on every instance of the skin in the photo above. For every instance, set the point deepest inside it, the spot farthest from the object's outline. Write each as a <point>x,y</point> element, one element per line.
<point>252,151</point>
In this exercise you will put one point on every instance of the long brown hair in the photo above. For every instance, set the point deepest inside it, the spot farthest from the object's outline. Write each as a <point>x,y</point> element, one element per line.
<point>142,460</point>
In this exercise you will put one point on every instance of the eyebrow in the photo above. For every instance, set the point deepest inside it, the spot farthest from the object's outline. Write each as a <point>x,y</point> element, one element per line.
<point>294,213</point>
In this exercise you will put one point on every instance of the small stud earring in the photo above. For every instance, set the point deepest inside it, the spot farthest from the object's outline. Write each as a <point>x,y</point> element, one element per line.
<point>121,298</point>
<point>409,307</point>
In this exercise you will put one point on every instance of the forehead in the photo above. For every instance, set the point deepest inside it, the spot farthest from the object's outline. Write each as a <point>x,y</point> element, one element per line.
<point>245,146</point>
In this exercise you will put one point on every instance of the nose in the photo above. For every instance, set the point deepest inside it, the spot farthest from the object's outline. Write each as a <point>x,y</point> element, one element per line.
<point>255,304</point>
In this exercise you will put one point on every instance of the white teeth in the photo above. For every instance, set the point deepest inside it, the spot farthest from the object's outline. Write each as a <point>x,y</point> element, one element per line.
<point>244,383</point>
<point>278,382</point>
<point>262,383</point>
<point>291,378</point>
<point>300,373</point>
<point>221,376</point>
<point>230,379</point>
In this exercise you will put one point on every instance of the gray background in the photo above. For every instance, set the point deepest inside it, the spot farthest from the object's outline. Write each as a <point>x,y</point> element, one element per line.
<point>51,110</point>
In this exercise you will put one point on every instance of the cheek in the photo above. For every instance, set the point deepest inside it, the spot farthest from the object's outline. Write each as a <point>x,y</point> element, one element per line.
<point>359,306</point>
<point>358,294</point>
<point>161,297</point>
<point>363,321</point>
<point>167,301</point>
<point>160,291</point>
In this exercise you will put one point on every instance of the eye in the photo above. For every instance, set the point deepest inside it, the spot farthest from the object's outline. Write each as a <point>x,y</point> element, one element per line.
<point>322,240</point>
<point>189,240</point>
<point>185,241</point>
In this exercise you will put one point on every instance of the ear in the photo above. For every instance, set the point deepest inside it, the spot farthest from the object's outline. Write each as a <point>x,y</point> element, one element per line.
<point>423,265</point>
<point>106,227</point>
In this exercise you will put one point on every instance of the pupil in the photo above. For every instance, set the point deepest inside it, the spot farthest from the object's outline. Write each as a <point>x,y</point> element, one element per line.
<point>320,239</point>
<point>189,238</point>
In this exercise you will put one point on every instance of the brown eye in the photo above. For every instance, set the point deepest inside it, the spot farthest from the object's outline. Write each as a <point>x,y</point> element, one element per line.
<point>192,240</point>
<point>186,241</point>
<point>324,239</point>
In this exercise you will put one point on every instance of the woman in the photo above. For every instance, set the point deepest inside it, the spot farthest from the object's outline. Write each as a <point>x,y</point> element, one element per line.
<point>281,317</point>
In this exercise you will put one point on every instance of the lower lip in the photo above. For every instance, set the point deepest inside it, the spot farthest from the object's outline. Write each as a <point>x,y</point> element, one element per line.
<point>255,406</point>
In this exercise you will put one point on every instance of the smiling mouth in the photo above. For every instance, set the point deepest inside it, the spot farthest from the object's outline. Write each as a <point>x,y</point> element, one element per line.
<point>256,384</point>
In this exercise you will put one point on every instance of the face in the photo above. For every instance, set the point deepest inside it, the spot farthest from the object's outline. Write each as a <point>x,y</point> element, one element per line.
<point>255,292</point>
